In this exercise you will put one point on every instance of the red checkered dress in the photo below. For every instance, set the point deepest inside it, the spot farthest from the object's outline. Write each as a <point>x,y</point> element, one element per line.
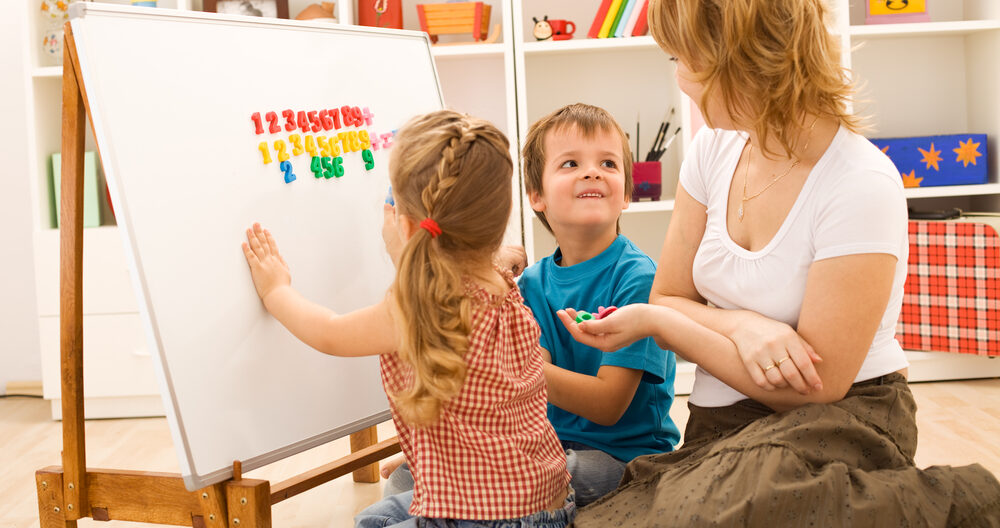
<point>493,453</point>
<point>951,301</point>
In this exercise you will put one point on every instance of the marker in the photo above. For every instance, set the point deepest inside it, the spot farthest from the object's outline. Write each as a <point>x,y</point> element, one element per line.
<point>388,198</point>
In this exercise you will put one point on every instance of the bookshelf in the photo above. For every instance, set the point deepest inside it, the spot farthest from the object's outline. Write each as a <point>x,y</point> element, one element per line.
<point>514,82</point>
<point>119,380</point>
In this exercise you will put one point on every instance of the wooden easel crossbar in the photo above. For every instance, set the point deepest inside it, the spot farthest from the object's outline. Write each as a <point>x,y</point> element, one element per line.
<point>72,491</point>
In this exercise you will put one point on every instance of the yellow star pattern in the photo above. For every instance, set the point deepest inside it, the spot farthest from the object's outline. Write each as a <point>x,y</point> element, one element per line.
<point>910,180</point>
<point>932,157</point>
<point>967,152</point>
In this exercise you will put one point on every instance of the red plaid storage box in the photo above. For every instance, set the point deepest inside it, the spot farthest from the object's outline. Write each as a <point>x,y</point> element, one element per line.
<point>951,300</point>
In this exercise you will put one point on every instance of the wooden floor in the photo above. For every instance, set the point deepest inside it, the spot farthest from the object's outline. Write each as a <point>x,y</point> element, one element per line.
<point>959,424</point>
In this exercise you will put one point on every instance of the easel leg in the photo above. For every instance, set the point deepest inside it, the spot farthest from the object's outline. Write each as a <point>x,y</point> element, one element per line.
<point>249,503</point>
<point>49,484</point>
<point>74,118</point>
<point>359,441</point>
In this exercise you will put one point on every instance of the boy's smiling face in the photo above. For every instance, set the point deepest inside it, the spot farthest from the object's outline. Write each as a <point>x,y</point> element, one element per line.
<point>583,182</point>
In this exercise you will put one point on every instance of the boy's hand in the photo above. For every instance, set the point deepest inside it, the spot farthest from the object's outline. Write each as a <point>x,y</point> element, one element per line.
<point>775,355</point>
<point>614,332</point>
<point>511,258</point>
<point>267,268</point>
<point>390,235</point>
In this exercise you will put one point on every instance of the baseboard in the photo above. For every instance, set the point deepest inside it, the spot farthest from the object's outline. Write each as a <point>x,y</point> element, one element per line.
<point>23,388</point>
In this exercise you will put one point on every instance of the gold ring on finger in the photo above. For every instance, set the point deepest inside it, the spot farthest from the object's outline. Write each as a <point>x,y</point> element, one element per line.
<point>769,367</point>
<point>782,360</point>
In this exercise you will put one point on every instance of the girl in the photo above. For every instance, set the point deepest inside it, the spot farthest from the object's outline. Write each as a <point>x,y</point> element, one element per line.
<point>458,350</point>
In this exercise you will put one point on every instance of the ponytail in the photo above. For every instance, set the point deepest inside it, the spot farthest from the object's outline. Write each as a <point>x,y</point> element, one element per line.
<point>456,171</point>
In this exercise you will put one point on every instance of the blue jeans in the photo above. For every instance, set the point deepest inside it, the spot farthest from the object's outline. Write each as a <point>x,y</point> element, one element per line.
<point>594,473</point>
<point>394,512</point>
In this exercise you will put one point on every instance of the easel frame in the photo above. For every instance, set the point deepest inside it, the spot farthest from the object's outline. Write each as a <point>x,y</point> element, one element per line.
<point>72,491</point>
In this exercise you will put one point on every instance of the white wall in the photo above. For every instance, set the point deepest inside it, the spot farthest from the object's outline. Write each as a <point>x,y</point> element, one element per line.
<point>19,352</point>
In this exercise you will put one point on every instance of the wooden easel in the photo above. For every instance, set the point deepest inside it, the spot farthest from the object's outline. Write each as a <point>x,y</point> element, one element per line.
<point>73,491</point>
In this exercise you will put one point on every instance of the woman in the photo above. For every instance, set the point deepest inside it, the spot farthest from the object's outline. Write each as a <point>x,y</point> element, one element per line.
<point>782,278</point>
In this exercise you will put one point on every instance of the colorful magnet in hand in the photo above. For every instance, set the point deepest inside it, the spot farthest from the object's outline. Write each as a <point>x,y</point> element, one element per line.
<point>603,312</point>
<point>388,198</point>
<point>582,316</point>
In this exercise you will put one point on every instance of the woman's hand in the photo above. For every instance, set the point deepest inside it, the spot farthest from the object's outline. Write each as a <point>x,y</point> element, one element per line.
<point>268,269</point>
<point>511,258</point>
<point>390,235</point>
<point>623,327</point>
<point>775,355</point>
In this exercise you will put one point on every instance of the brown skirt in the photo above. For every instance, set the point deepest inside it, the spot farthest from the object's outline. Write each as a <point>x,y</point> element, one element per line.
<point>848,463</point>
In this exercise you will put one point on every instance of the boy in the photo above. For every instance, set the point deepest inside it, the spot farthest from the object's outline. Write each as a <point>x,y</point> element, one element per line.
<point>606,408</point>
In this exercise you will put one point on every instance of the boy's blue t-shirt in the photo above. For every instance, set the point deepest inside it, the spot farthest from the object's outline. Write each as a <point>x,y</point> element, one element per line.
<point>619,276</point>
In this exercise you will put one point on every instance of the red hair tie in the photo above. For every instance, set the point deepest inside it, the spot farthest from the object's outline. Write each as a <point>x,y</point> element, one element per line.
<point>431,226</point>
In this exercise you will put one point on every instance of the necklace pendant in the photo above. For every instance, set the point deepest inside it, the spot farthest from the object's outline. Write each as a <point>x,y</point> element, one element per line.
<point>739,213</point>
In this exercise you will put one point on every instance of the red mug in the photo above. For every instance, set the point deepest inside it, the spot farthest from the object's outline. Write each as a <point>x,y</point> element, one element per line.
<point>562,29</point>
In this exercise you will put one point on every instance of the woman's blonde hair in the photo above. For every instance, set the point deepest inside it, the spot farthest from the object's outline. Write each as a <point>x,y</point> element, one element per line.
<point>455,170</point>
<point>771,61</point>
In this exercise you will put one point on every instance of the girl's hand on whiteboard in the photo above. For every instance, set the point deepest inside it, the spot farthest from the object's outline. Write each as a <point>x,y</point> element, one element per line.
<point>267,268</point>
<point>390,235</point>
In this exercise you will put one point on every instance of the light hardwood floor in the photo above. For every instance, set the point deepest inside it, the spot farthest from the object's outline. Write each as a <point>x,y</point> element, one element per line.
<point>959,424</point>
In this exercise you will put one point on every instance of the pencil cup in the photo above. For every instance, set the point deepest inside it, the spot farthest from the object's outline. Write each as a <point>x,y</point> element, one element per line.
<point>646,180</point>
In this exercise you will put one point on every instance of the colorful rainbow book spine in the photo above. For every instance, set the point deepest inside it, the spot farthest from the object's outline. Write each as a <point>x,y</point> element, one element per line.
<point>610,18</point>
<point>602,13</point>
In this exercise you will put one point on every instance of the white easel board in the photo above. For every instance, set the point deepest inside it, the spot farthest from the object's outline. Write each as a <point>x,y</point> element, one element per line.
<point>172,97</point>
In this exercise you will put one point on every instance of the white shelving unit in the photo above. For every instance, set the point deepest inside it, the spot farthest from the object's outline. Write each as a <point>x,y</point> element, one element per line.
<point>918,79</point>
<point>119,380</point>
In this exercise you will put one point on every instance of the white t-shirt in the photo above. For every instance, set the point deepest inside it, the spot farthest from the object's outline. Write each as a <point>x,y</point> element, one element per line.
<point>852,202</point>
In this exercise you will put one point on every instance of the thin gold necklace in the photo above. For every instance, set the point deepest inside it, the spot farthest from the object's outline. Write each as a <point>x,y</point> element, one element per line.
<point>744,199</point>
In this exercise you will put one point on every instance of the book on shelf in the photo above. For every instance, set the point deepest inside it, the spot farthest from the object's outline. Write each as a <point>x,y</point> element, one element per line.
<point>626,14</point>
<point>619,18</point>
<point>609,19</point>
<point>640,24</point>
<point>640,7</point>
<point>91,196</point>
<point>602,12</point>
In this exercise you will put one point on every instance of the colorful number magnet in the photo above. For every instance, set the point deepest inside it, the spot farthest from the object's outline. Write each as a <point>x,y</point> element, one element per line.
<point>603,312</point>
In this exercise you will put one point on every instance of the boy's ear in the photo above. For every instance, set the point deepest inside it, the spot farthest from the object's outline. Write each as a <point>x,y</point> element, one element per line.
<point>537,204</point>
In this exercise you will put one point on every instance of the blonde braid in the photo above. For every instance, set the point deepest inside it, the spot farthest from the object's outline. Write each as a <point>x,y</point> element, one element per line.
<point>450,168</point>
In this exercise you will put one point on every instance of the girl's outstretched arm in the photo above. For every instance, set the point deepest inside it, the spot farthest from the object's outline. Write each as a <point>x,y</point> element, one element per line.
<point>364,332</point>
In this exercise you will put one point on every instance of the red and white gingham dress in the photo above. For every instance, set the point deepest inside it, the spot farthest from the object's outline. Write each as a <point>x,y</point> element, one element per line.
<point>493,453</point>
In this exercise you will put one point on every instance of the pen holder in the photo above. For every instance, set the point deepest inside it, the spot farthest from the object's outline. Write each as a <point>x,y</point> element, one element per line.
<point>646,180</point>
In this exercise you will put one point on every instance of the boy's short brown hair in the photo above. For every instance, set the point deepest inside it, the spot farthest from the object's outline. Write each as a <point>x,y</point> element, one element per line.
<point>588,119</point>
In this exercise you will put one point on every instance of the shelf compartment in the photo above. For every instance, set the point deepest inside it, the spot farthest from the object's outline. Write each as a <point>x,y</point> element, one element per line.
<point>940,12</point>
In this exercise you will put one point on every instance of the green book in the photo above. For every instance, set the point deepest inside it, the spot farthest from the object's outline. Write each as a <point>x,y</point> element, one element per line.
<point>91,206</point>
<point>618,19</point>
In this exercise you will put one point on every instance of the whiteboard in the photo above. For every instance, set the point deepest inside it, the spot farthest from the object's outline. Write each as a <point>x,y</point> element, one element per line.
<point>171,96</point>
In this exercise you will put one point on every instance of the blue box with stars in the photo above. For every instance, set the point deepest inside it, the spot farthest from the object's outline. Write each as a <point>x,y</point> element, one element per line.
<point>931,161</point>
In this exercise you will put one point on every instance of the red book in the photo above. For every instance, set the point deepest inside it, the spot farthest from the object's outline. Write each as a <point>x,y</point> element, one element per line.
<point>602,13</point>
<point>640,25</point>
